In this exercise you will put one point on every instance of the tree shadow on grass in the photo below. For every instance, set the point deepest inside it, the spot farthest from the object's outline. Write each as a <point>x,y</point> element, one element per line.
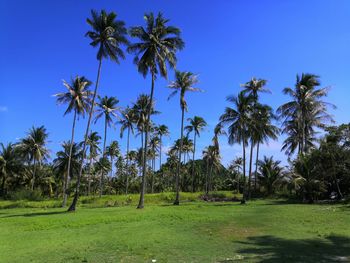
<point>36,214</point>
<point>269,249</point>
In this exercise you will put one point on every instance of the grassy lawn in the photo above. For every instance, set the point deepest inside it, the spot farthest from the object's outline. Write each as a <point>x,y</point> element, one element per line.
<point>261,231</point>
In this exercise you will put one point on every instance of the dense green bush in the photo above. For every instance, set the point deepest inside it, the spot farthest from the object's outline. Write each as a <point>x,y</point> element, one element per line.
<point>26,194</point>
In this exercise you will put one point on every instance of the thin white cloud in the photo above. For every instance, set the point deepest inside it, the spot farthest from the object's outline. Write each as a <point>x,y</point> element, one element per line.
<point>3,109</point>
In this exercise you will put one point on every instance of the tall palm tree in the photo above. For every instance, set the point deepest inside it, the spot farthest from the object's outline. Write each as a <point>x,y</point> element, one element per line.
<point>93,142</point>
<point>107,108</point>
<point>10,165</point>
<point>33,148</point>
<point>263,131</point>
<point>78,99</point>
<point>212,158</point>
<point>153,148</point>
<point>112,151</point>
<point>253,88</point>
<point>107,34</point>
<point>127,123</point>
<point>196,125</point>
<point>305,112</point>
<point>184,82</point>
<point>69,157</point>
<point>237,119</point>
<point>157,48</point>
<point>161,131</point>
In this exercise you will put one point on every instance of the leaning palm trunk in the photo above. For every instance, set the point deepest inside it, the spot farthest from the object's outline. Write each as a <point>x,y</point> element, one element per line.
<point>256,165</point>
<point>34,171</point>
<point>76,195</point>
<point>194,151</point>
<point>66,179</point>
<point>250,169</point>
<point>127,162</point>
<point>244,175</point>
<point>177,198</point>
<point>103,155</point>
<point>144,162</point>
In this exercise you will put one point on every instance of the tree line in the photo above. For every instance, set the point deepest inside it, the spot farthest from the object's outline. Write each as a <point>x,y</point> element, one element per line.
<point>91,166</point>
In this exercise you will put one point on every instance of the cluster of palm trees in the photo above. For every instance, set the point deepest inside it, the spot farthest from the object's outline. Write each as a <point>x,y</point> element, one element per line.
<point>246,121</point>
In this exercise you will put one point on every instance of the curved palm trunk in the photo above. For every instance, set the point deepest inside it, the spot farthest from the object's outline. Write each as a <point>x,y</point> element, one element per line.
<point>34,171</point>
<point>90,170</point>
<point>177,198</point>
<point>66,179</point>
<point>127,162</point>
<point>76,195</point>
<point>194,152</point>
<point>244,175</point>
<point>250,169</point>
<point>104,155</point>
<point>256,165</point>
<point>144,162</point>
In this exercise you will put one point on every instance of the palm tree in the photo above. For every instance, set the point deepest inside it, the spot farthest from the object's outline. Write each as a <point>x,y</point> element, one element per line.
<point>263,130</point>
<point>253,88</point>
<point>184,82</point>
<point>161,131</point>
<point>127,123</point>
<point>212,158</point>
<point>270,174</point>
<point>237,120</point>
<point>33,148</point>
<point>78,99</point>
<point>108,34</point>
<point>69,157</point>
<point>196,125</point>
<point>305,112</point>
<point>93,142</point>
<point>107,108</point>
<point>113,151</point>
<point>157,48</point>
<point>153,148</point>
<point>10,165</point>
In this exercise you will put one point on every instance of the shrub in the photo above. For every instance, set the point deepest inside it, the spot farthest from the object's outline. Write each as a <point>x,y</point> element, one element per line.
<point>26,194</point>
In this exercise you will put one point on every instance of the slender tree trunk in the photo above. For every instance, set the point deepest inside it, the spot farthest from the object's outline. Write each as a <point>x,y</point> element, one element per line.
<point>250,170</point>
<point>144,168</point>
<point>103,155</point>
<point>244,175</point>
<point>193,155</point>
<point>153,168</point>
<point>34,172</point>
<point>127,162</point>
<point>89,178</point>
<point>66,179</point>
<point>160,151</point>
<point>207,179</point>
<point>177,199</point>
<point>256,165</point>
<point>210,178</point>
<point>76,195</point>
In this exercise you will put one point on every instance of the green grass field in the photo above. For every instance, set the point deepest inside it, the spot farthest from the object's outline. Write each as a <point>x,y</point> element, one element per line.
<point>261,231</point>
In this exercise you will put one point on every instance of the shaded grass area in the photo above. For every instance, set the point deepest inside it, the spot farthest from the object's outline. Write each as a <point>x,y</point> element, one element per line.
<point>192,232</point>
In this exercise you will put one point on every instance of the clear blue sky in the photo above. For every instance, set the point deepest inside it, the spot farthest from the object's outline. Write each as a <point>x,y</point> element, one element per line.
<point>227,43</point>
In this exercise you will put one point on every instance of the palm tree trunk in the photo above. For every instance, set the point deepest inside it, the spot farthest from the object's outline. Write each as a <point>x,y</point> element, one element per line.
<point>210,178</point>
<point>244,175</point>
<point>76,195</point>
<point>144,168</point>
<point>153,168</point>
<point>256,165</point>
<point>193,155</point>
<point>127,162</point>
<point>250,169</point>
<point>65,194</point>
<point>177,198</point>
<point>103,155</point>
<point>34,171</point>
<point>206,179</point>
<point>89,182</point>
